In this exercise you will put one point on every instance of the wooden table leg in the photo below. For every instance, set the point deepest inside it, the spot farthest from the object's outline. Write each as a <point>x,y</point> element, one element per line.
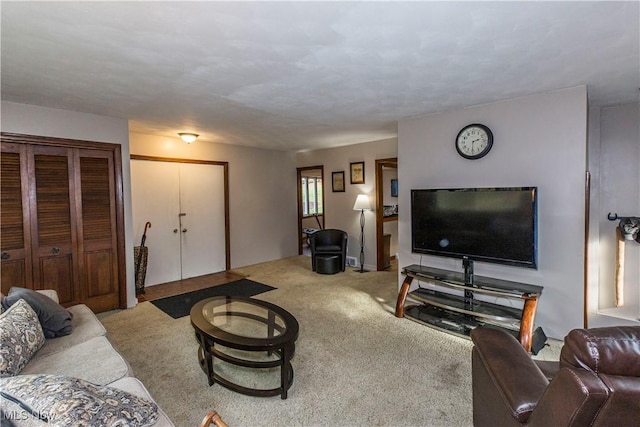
<point>526,323</point>
<point>402,296</point>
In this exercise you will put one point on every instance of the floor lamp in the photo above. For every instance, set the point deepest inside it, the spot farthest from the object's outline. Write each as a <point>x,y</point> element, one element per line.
<point>362,204</point>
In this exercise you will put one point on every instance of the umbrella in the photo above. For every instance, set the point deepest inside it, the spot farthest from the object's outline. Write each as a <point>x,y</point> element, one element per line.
<point>140,254</point>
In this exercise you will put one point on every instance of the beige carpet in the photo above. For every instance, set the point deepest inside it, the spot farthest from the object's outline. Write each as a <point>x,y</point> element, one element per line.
<point>356,364</point>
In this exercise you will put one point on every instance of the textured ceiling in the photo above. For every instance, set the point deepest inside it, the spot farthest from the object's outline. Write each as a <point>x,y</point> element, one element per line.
<point>304,75</point>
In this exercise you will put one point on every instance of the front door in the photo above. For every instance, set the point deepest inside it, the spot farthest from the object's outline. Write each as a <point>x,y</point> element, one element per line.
<point>185,203</point>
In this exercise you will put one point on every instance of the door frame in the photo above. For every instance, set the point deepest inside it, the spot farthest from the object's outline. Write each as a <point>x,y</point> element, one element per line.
<point>300,214</point>
<point>116,150</point>
<point>225,165</point>
<point>380,164</point>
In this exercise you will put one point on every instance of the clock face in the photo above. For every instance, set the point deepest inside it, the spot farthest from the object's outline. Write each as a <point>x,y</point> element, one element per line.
<point>474,141</point>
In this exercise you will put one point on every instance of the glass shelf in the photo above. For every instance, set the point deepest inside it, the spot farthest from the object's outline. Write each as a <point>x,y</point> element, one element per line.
<point>475,307</point>
<point>450,322</point>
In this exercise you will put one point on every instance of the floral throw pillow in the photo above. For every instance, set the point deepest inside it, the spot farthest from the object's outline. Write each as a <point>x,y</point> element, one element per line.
<point>66,401</point>
<point>21,337</point>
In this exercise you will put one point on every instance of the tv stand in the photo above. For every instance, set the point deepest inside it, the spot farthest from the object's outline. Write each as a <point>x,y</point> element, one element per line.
<point>458,311</point>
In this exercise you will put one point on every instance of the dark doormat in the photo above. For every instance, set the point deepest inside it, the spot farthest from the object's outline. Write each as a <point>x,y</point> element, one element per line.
<point>180,305</point>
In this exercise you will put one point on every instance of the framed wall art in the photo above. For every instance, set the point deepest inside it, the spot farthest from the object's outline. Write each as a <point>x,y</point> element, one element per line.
<point>357,173</point>
<point>337,182</point>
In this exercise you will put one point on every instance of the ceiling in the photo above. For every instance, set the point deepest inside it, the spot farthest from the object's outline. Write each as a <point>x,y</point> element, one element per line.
<point>308,75</point>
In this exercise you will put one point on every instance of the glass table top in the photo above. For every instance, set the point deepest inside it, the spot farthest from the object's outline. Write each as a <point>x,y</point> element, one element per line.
<point>244,318</point>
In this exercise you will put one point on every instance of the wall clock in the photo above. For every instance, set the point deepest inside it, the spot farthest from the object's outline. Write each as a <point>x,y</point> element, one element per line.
<point>474,141</point>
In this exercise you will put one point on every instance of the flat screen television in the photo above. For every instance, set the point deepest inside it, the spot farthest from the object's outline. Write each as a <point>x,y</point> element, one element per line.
<point>496,225</point>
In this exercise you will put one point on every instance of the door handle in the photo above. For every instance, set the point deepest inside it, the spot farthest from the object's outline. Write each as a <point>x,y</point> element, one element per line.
<point>175,230</point>
<point>5,255</point>
<point>55,251</point>
<point>184,230</point>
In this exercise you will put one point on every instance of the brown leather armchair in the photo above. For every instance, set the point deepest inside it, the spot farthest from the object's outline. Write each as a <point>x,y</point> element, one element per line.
<point>597,382</point>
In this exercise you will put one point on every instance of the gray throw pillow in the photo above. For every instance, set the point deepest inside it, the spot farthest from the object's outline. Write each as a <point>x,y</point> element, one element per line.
<point>67,401</point>
<point>54,318</point>
<point>20,338</point>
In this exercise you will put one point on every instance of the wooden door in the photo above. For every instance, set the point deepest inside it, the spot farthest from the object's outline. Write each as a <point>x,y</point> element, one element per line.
<point>97,236</point>
<point>15,241</point>
<point>62,219</point>
<point>53,221</point>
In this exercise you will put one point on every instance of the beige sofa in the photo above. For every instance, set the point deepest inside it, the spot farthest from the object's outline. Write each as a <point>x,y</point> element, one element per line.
<point>86,354</point>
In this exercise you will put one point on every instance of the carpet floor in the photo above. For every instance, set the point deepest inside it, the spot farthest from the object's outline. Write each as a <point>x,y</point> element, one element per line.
<point>180,305</point>
<point>356,364</point>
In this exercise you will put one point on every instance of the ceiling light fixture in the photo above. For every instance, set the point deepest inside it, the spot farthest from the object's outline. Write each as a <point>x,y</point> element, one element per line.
<point>188,137</point>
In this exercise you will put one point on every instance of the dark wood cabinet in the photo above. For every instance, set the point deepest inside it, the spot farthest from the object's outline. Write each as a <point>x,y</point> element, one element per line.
<point>60,220</point>
<point>387,251</point>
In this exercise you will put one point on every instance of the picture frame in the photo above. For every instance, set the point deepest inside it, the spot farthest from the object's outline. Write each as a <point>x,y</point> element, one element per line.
<point>337,182</point>
<point>394,188</point>
<point>357,172</point>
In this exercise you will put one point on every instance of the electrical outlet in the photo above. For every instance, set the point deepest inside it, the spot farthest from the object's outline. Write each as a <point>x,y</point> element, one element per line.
<point>352,261</point>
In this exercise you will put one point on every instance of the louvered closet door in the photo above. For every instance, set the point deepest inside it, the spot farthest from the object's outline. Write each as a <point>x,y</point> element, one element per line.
<point>15,239</point>
<point>53,226</point>
<point>97,237</point>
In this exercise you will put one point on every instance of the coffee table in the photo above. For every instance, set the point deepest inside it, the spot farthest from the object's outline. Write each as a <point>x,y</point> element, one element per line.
<point>247,333</point>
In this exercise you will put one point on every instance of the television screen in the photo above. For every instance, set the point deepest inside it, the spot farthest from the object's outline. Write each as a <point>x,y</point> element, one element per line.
<point>483,224</point>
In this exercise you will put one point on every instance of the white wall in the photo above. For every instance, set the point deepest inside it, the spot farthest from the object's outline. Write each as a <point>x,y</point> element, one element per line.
<point>539,140</point>
<point>262,194</point>
<point>614,152</point>
<point>33,120</point>
<point>262,182</point>
<point>338,207</point>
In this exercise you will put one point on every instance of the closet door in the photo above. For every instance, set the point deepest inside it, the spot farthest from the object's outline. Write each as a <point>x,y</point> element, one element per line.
<point>155,197</point>
<point>203,225</point>
<point>53,222</point>
<point>15,239</point>
<point>97,229</point>
<point>61,219</point>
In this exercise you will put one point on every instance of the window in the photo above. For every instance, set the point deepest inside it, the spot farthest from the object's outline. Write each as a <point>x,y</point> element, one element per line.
<point>311,195</point>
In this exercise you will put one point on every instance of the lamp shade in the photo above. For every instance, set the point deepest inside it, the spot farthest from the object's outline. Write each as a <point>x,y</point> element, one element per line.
<point>362,203</point>
<point>188,137</point>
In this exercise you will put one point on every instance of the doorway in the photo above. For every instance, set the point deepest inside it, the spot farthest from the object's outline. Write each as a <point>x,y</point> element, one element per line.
<point>386,212</point>
<point>187,205</point>
<point>310,204</point>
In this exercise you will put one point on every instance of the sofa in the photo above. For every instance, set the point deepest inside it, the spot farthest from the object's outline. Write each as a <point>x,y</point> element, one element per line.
<point>596,382</point>
<point>84,360</point>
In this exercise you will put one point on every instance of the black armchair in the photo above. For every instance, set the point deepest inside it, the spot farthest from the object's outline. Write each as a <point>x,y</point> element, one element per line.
<point>329,243</point>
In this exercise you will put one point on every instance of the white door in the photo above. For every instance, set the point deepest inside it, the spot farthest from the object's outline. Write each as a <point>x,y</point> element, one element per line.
<point>202,225</point>
<point>185,204</point>
<point>155,197</point>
